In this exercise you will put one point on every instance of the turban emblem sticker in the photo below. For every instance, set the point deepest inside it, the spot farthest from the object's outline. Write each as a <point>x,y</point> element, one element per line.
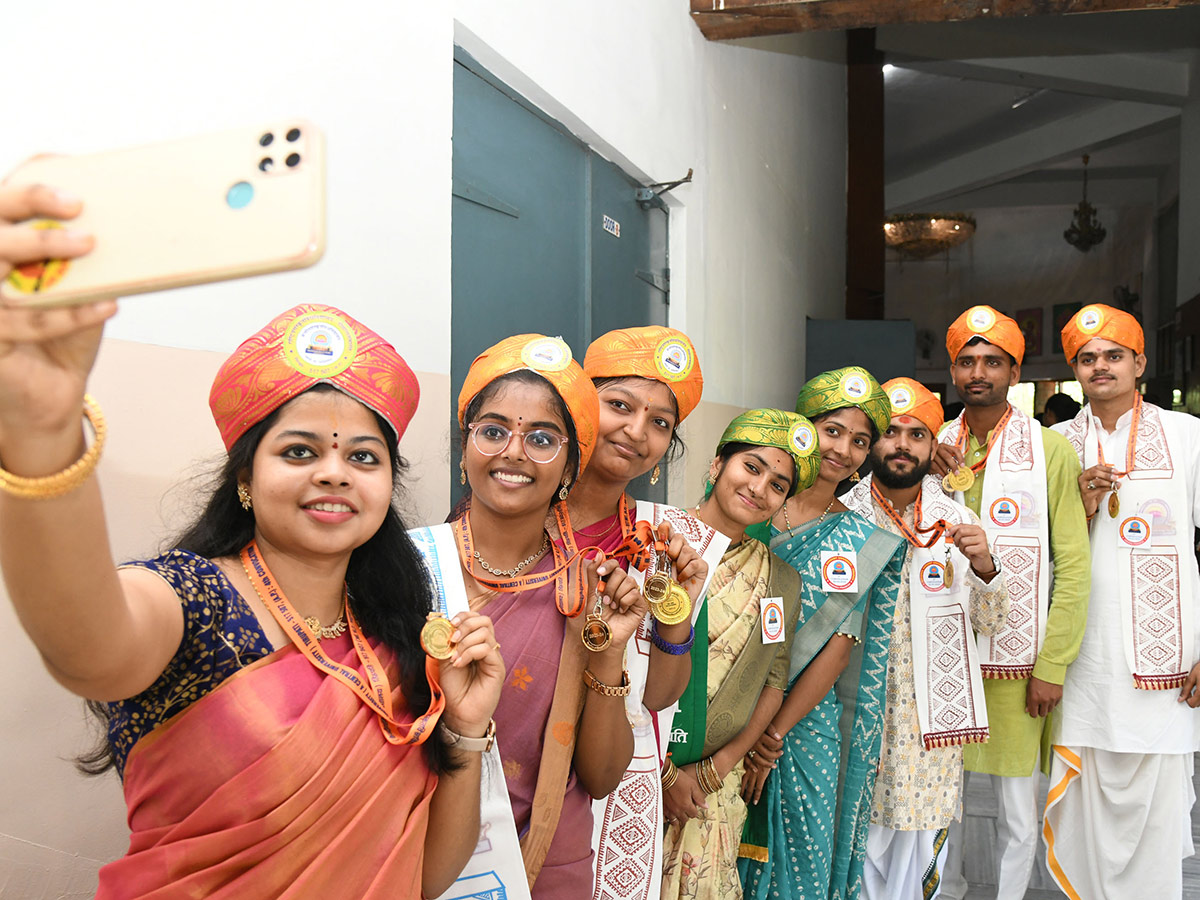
<point>981,318</point>
<point>803,439</point>
<point>673,359</point>
<point>854,386</point>
<point>901,399</point>
<point>319,345</point>
<point>35,277</point>
<point>546,355</point>
<point>1090,319</point>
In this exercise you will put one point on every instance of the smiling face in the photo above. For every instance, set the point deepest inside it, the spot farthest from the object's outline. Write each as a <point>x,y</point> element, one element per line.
<point>983,373</point>
<point>637,419</point>
<point>510,483</point>
<point>844,437</point>
<point>1107,370</point>
<point>321,481</point>
<point>902,455</point>
<point>748,488</point>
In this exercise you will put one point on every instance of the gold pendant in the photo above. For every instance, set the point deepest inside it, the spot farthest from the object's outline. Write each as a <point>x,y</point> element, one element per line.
<point>961,479</point>
<point>435,636</point>
<point>676,608</point>
<point>596,634</point>
<point>949,574</point>
<point>1114,505</point>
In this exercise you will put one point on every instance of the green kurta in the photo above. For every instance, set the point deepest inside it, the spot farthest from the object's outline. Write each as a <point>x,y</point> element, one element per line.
<point>1015,736</point>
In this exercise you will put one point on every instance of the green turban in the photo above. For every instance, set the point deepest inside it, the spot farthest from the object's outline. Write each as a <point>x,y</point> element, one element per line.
<point>787,431</point>
<point>851,386</point>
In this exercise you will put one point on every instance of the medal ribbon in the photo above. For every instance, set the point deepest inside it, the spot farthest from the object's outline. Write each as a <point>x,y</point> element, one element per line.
<point>1131,446</point>
<point>964,438</point>
<point>938,528</point>
<point>379,695</point>
<point>570,593</point>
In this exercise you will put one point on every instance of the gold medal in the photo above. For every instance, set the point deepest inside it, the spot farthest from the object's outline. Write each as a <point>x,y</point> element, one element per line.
<point>676,608</point>
<point>1114,504</point>
<point>596,635</point>
<point>435,636</point>
<point>961,479</point>
<point>949,574</point>
<point>657,588</point>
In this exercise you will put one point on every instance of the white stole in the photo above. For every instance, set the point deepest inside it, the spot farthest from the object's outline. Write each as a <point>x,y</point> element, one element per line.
<point>1016,517</point>
<point>627,825</point>
<point>496,868</point>
<point>1154,585</point>
<point>951,708</point>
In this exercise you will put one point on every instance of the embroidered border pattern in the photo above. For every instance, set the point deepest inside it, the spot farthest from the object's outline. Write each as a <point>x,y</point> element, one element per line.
<point>1157,624</point>
<point>1013,650</point>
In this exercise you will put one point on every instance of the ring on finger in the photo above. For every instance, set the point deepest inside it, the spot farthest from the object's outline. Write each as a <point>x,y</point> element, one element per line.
<point>1091,485</point>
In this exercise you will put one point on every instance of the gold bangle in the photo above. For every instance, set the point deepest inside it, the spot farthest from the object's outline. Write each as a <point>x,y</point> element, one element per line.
<point>50,486</point>
<point>669,775</point>
<point>706,776</point>
<point>607,690</point>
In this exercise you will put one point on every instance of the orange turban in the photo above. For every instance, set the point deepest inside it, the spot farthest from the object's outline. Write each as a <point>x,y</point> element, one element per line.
<point>308,345</point>
<point>551,358</point>
<point>911,398</point>
<point>994,327</point>
<point>1099,321</point>
<point>655,352</point>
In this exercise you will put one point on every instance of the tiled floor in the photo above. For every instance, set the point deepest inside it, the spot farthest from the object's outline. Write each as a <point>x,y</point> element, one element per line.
<point>980,855</point>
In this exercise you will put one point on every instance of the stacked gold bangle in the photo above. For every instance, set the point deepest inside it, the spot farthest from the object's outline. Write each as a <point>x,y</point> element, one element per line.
<point>50,486</point>
<point>669,774</point>
<point>706,776</point>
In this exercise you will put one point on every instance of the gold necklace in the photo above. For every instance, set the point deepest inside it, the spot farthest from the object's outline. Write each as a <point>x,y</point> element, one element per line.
<point>787,523</point>
<point>337,629</point>
<point>515,570</point>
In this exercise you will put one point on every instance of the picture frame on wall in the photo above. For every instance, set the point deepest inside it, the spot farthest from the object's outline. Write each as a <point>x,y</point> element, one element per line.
<point>1030,322</point>
<point>1062,315</point>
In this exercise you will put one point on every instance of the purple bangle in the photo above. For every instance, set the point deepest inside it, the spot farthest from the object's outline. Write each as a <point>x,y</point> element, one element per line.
<point>666,646</point>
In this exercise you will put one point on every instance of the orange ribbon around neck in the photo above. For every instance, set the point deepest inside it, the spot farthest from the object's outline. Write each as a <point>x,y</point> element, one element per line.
<point>964,438</point>
<point>378,695</point>
<point>570,589</point>
<point>938,528</point>
<point>1131,446</point>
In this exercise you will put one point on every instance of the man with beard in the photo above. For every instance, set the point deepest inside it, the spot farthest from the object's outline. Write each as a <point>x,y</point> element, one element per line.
<point>1022,481</point>
<point>1118,820</point>
<point>950,582</point>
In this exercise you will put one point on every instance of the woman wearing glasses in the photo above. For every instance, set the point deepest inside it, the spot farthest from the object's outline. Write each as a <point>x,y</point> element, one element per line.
<point>529,417</point>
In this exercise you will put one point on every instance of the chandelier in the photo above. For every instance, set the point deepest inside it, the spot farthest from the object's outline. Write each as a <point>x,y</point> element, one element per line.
<point>1085,231</point>
<point>920,235</point>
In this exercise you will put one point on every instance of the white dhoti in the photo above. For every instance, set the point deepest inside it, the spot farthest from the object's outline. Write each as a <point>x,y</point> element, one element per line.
<point>1118,824</point>
<point>902,865</point>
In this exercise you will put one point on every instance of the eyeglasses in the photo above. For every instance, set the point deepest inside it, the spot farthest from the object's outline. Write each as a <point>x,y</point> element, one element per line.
<point>491,439</point>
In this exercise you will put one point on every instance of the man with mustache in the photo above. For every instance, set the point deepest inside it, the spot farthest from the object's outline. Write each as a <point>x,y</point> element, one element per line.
<point>950,582</point>
<point>1118,818</point>
<point>1021,480</point>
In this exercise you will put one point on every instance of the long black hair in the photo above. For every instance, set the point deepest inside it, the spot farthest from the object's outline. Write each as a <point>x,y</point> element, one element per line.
<point>388,585</point>
<point>676,448</point>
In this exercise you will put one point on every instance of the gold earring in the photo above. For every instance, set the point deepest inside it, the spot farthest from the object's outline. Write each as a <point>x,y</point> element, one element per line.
<point>462,472</point>
<point>654,475</point>
<point>562,491</point>
<point>243,493</point>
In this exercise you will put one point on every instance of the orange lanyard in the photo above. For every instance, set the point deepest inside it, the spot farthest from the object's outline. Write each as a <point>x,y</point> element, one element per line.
<point>964,438</point>
<point>1131,445</point>
<point>570,594</point>
<point>379,695</point>
<point>938,528</point>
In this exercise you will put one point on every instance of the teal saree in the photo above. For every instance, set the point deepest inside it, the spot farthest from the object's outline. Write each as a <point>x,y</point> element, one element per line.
<point>806,838</point>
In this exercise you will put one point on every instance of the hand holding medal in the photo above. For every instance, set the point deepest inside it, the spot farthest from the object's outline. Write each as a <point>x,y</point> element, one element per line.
<point>613,588</point>
<point>470,672</point>
<point>1094,483</point>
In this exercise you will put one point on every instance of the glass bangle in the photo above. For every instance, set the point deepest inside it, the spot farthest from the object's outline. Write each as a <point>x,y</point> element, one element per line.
<point>667,647</point>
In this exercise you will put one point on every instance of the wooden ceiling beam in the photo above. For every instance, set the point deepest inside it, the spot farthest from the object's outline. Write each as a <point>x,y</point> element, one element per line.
<point>727,19</point>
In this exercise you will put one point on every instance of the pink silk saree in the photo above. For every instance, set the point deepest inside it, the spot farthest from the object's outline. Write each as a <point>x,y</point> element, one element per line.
<point>277,784</point>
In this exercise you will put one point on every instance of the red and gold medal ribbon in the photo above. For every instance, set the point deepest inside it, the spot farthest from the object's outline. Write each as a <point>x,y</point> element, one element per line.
<point>1131,446</point>
<point>378,695</point>
<point>938,528</point>
<point>964,438</point>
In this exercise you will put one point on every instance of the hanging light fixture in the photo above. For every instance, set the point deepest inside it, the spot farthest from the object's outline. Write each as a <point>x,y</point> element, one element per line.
<point>920,235</point>
<point>1085,231</point>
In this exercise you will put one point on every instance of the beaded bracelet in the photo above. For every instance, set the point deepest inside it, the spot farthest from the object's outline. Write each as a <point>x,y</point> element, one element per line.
<point>666,646</point>
<point>50,486</point>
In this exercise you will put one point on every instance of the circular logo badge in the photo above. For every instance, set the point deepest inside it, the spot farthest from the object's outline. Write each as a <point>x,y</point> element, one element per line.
<point>901,399</point>
<point>772,621</point>
<point>854,386</point>
<point>319,345</point>
<point>933,577</point>
<point>838,572</point>
<point>1135,531</point>
<point>803,439</point>
<point>546,355</point>
<point>673,359</point>
<point>1090,319</point>
<point>1005,511</point>
<point>980,318</point>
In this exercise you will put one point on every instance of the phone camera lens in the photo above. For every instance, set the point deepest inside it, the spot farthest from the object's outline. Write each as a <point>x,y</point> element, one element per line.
<point>293,160</point>
<point>266,164</point>
<point>293,135</point>
<point>266,139</point>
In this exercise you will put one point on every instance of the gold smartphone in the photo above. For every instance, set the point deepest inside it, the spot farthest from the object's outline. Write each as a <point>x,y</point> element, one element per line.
<point>190,211</point>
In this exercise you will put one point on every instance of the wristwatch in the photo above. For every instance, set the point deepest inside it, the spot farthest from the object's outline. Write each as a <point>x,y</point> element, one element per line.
<point>474,744</point>
<point>995,568</point>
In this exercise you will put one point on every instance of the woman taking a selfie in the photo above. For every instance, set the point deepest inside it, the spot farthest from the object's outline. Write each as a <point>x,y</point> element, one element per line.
<point>277,726</point>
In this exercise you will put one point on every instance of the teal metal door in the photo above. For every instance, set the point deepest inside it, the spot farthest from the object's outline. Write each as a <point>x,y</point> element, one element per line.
<point>547,235</point>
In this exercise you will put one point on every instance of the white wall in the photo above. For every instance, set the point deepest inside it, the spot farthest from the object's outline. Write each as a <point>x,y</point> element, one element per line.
<point>756,245</point>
